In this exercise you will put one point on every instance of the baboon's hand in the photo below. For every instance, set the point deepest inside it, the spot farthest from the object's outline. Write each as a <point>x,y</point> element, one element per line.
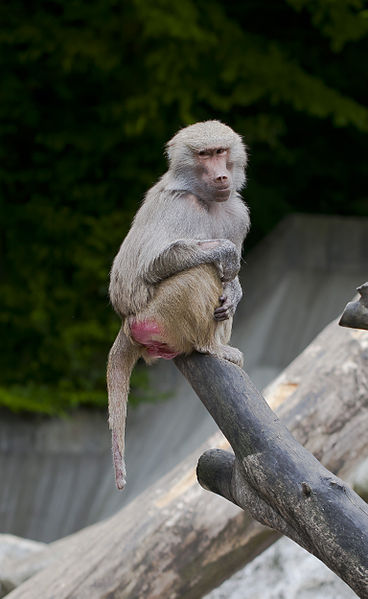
<point>229,259</point>
<point>226,309</point>
<point>224,255</point>
<point>232,293</point>
<point>230,262</point>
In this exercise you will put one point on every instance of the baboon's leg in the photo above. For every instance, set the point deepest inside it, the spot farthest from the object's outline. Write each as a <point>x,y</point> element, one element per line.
<point>217,345</point>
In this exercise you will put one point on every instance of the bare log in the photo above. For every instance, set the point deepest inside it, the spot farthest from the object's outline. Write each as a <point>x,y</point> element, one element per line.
<point>355,314</point>
<point>175,540</point>
<point>280,482</point>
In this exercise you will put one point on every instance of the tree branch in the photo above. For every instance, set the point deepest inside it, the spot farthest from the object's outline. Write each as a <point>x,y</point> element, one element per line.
<point>355,314</point>
<point>272,475</point>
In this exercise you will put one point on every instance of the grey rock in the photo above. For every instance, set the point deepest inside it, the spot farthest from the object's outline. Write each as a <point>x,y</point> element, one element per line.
<point>284,571</point>
<point>13,551</point>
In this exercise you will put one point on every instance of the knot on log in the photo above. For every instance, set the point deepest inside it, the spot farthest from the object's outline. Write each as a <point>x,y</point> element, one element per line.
<point>306,490</point>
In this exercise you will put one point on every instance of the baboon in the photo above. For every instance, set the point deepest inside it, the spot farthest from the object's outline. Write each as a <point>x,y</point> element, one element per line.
<point>174,280</point>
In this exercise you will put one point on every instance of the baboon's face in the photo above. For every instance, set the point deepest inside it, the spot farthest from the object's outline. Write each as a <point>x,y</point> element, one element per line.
<point>215,173</point>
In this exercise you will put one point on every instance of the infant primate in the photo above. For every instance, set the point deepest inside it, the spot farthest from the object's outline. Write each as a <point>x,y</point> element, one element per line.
<point>174,280</point>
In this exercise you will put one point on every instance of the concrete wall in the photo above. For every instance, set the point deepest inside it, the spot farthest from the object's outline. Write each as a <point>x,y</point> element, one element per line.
<point>56,474</point>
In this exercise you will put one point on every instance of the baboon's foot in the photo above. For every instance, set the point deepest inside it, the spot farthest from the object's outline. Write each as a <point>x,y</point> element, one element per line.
<point>226,352</point>
<point>234,355</point>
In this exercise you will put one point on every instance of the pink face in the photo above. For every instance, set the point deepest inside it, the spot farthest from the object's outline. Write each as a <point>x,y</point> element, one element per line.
<point>216,172</point>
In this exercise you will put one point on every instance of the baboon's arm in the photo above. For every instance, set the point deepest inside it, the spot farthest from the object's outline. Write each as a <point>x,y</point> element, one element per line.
<point>187,253</point>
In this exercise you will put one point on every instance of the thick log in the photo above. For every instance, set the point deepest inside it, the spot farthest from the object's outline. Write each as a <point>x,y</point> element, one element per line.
<point>274,477</point>
<point>355,314</point>
<point>176,540</point>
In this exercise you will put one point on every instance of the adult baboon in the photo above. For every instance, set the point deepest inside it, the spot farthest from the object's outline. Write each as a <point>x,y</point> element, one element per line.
<point>174,280</point>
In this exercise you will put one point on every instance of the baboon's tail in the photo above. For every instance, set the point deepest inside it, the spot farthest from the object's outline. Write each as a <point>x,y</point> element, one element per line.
<point>122,358</point>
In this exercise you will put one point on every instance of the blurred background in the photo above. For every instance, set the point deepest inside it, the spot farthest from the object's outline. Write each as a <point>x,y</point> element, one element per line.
<point>90,94</point>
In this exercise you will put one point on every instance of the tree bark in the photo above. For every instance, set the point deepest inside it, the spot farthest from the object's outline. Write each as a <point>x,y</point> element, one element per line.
<point>281,483</point>
<point>175,540</point>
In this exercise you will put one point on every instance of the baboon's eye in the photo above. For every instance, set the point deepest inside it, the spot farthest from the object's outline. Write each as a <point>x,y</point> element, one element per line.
<point>220,150</point>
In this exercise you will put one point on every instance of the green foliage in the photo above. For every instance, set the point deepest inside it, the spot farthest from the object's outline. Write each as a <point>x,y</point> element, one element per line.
<point>339,21</point>
<point>90,94</point>
<point>58,399</point>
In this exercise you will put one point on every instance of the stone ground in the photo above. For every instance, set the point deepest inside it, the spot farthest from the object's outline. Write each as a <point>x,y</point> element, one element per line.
<point>284,571</point>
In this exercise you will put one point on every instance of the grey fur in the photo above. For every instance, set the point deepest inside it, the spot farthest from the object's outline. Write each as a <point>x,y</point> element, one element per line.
<point>179,226</point>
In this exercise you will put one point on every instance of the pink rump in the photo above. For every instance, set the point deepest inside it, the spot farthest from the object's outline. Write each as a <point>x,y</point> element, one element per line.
<point>149,334</point>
